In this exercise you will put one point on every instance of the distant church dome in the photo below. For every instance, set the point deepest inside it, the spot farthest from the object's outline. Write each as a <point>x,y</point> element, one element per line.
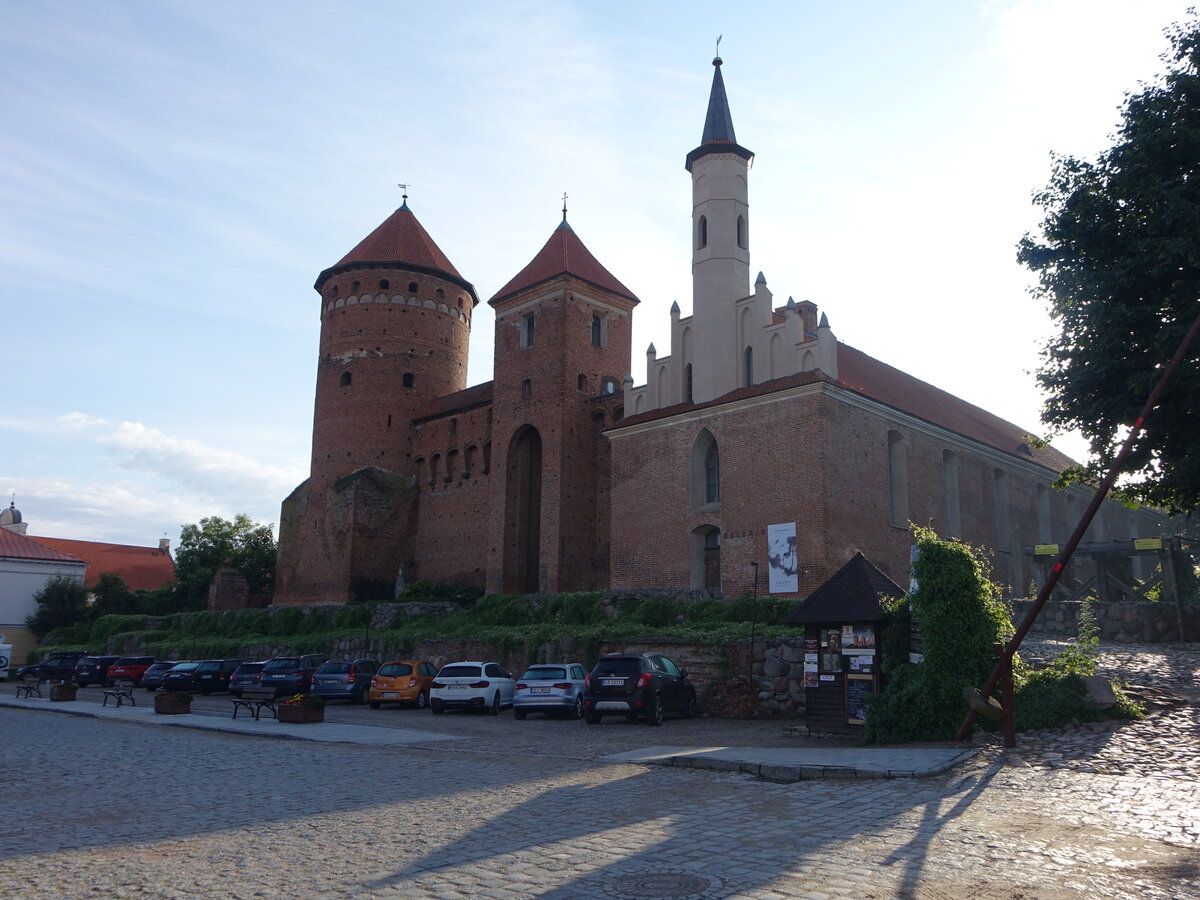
<point>11,516</point>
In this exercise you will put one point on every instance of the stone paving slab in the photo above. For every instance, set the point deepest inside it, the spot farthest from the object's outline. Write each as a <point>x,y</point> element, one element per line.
<point>325,732</point>
<point>806,764</point>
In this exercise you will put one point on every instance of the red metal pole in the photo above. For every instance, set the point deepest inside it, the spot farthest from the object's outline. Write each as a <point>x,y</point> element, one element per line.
<point>1068,551</point>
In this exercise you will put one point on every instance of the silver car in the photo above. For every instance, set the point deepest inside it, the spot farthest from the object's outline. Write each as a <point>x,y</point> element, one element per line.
<point>550,689</point>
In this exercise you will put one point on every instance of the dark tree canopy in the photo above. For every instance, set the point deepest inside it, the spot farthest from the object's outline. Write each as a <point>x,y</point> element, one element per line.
<point>215,543</point>
<point>62,602</point>
<point>1118,261</point>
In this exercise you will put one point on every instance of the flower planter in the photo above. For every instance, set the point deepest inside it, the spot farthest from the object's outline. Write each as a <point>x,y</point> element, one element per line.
<point>61,692</point>
<point>167,707</point>
<point>296,714</point>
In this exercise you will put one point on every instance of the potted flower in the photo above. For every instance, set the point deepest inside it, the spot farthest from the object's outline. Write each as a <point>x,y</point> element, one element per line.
<point>64,690</point>
<point>301,708</point>
<point>173,703</point>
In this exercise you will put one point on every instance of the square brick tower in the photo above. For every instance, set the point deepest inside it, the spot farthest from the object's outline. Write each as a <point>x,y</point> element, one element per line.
<point>563,331</point>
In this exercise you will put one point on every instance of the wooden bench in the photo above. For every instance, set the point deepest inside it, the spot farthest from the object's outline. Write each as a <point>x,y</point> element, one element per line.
<point>121,691</point>
<point>28,686</point>
<point>255,700</point>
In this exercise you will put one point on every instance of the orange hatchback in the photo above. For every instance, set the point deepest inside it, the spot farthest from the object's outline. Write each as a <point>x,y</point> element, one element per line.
<point>402,681</point>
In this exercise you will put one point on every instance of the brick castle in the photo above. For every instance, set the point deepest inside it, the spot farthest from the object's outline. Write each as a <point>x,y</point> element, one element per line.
<point>760,443</point>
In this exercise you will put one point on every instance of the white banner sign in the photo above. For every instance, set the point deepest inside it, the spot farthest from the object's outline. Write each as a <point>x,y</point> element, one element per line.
<point>781,558</point>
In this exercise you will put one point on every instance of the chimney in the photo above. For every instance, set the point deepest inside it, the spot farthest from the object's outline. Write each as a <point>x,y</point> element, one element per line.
<point>164,544</point>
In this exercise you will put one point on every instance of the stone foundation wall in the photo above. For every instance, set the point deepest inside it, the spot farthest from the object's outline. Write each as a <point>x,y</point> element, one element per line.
<point>1125,621</point>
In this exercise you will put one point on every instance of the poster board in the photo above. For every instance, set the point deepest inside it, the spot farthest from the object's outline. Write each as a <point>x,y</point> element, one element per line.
<point>781,558</point>
<point>859,690</point>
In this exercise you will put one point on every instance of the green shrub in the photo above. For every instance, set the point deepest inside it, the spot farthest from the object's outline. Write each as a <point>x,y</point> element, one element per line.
<point>961,617</point>
<point>1046,698</point>
<point>656,612</point>
<point>350,617</point>
<point>107,626</point>
<point>499,609</point>
<point>289,620</point>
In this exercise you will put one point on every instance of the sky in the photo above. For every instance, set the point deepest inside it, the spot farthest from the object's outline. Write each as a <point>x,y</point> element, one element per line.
<point>174,175</point>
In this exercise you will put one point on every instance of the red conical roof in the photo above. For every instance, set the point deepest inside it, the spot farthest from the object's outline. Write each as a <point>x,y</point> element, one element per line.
<point>399,241</point>
<point>564,254</point>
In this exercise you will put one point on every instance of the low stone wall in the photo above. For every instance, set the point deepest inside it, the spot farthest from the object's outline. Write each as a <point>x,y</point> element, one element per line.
<point>1124,621</point>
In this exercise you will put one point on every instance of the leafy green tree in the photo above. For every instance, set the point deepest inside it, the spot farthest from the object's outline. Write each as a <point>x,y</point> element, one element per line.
<point>61,603</point>
<point>112,596</point>
<point>1118,260</point>
<point>216,543</point>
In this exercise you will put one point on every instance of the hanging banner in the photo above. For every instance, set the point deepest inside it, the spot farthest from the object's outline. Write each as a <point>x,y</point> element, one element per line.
<point>781,558</point>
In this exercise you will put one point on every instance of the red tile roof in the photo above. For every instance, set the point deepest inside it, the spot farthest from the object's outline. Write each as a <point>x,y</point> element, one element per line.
<point>563,254</point>
<point>459,401</point>
<point>141,568</point>
<point>886,384</point>
<point>399,240</point>
<point>19,546</point>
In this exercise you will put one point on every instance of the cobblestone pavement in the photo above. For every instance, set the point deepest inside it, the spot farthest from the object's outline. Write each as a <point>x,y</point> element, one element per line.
<point>102,808</point>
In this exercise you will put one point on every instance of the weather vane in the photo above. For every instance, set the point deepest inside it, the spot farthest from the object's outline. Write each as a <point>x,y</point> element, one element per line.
<point>564,206</point>
<point>404,188</point>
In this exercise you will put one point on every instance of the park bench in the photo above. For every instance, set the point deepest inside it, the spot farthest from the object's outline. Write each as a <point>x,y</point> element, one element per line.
<point>121,690</point>
<point>255,700</point>
<point>28,686</point>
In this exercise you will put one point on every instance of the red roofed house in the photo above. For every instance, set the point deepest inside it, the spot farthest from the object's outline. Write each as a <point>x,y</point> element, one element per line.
<point>759,439</point>
<point>141,568</point>
<point>25,567</point>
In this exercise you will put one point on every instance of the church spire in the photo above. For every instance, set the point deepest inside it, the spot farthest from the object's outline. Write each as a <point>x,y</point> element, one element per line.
<point>718,136</point>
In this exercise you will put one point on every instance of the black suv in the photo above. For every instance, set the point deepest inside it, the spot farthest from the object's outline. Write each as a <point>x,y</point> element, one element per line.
<point>214,674</point>
<point>637,685</point>
<point>93,669</point>
<point>56,667</point>
<point>291,674</point>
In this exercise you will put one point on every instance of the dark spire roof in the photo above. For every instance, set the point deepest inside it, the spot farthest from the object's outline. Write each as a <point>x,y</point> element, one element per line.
<point>853,594</point>
<point>718,134</point>
<point>399,241</point>
<point>563,254</point>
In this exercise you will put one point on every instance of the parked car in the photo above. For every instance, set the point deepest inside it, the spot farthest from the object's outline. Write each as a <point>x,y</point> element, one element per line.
<point>131,668</point>
<point>402,681</point>
<point>93,669</point>
<point>153,676</point>
<point>472,685</point>
<point>637,685</point>
<point>248,674</point>
<point>58,666</point>
<point>553,690</point>
<point>181,677</point>
<point>213,675</point>
<point>291,674</point>
<point>341,679</point>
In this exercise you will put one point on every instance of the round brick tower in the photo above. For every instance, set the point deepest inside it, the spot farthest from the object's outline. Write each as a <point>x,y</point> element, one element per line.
<point>395,324</point>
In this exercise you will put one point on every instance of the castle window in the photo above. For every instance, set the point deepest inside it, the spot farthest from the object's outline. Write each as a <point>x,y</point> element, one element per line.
<point>749,357</point>
<point>335,291</point>
<point>354,286</point>
<point>526,389</point>
<point>407,381</point>
<point>412,287</point>
<point>469,460</point>
<point>598,329</point>
<point>389,424</point>
<point>583,384</point>
<point>702,232</point>
<point>897,479</point>
<point>687,383</point>
<point>741,231</point>
<point>487,457</point>
<point>705,470</point>
<point>345,380</point>
<point>527,331</point>
<point>460,302</point>
<point>441,295</point>
<point>610,386</point>
<point>383,284</point>
<point>453,426</point>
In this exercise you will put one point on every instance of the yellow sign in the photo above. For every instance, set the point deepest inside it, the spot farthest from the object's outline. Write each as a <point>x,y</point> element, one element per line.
<point>1147,544</point>
<point>1045,550</point>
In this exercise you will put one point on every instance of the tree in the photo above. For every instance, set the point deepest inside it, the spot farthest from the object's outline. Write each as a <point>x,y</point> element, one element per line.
<point>62,602</point>
<point>112,596</point>
<point>215,543</point>
<point>1118,261</point>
